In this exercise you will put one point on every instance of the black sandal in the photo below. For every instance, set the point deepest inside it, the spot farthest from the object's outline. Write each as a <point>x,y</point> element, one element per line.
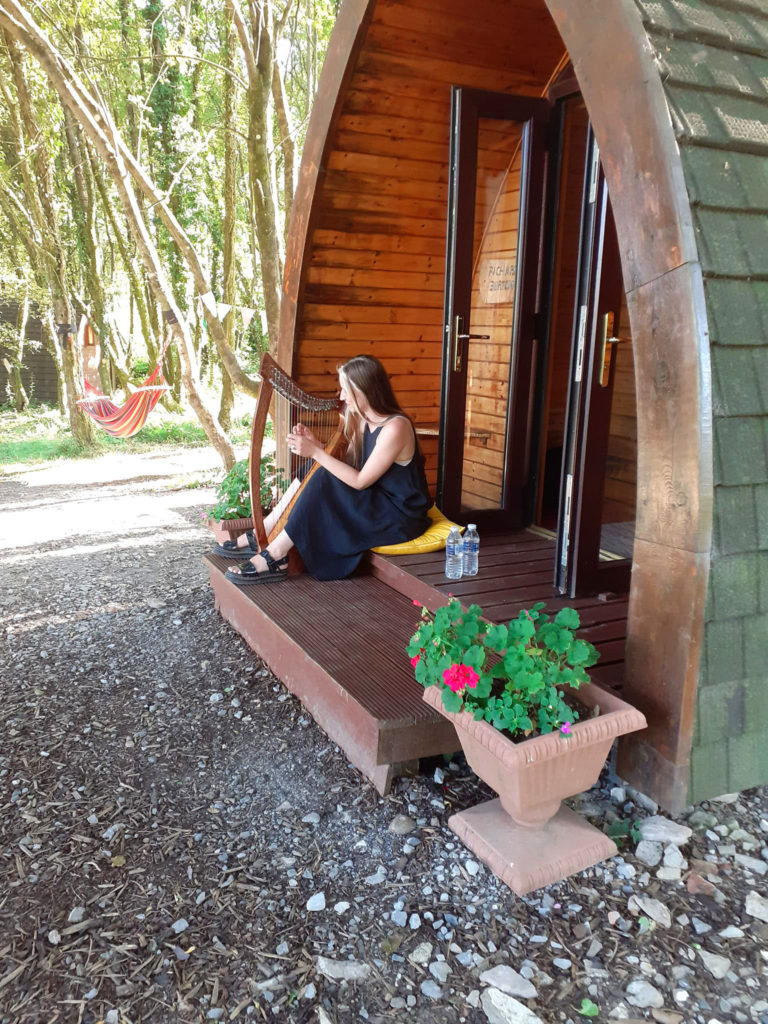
<point>230,549</point>
<point>248,573</point>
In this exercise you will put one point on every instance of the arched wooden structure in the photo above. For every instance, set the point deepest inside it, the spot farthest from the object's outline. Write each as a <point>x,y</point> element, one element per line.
<point>677,125</point>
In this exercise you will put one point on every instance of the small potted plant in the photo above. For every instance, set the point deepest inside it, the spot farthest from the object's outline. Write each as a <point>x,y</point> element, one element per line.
<point>232,513</point>
<point>532,727</point>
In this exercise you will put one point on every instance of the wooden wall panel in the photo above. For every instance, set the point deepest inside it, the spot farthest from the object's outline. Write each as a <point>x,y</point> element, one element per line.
<point>373,272</point>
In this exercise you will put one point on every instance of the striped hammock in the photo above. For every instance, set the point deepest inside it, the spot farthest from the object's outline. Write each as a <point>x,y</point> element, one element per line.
<point>127,419</point>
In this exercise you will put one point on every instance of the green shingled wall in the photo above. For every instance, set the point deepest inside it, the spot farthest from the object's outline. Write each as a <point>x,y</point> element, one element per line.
<point>713,59</point>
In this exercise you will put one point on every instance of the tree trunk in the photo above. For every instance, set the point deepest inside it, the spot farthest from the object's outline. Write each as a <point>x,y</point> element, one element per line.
<point>287,137</point>
<point>229,222</point>
<point>259,61</point>
<point>15,355</point>
<point>42,204</point>
<point>83,209</point>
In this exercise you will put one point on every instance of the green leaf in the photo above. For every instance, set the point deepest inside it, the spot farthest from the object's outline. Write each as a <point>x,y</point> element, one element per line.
<point>442,620</point>
<point>582,653</point>
<point>497,638</point>
<point>452,701</point>
<point>618,829</point>
<point>514,661</point>
<point>588,1008</point>
<point>528,682</point>
<point>474,657</point>
<point>567,618</point>
<point>483,688</point>
<point>521,628</point>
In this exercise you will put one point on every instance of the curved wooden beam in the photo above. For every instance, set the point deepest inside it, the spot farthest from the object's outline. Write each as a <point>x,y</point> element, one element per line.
<point>629,113</point>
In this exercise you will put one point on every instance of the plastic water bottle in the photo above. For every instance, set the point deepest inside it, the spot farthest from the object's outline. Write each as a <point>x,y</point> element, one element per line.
<point>454,555</point>
<point>471,551</point>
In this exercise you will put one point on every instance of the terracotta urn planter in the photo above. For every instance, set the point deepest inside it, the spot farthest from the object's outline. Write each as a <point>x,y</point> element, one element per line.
<point>228,529</point>
<point>527,836</point>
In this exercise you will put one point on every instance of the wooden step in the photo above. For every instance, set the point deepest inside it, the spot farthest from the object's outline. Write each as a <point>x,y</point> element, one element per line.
<point>339,647</point>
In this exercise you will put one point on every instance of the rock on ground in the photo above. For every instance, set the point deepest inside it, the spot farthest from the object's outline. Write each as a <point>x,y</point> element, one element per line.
<point>503,1009</point>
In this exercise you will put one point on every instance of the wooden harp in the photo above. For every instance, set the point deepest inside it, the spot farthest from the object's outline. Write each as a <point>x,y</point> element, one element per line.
<point>278,475</point>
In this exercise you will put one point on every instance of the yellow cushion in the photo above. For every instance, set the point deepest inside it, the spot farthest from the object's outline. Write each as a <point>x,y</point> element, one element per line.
<point>432,540</point>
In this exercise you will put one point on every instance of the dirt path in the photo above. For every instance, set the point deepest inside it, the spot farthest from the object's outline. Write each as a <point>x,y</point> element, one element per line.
<point>180,842</point>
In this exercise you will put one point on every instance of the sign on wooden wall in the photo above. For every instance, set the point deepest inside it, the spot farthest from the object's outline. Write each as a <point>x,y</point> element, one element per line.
<point>497,281</point>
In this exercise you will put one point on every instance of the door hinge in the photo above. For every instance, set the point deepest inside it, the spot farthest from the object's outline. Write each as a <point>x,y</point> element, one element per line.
<point>593,173</point>
<point>566,520</point>
<point>580,337</point>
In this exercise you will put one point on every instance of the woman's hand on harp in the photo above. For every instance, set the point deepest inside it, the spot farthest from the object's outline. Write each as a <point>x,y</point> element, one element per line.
<point>302,441</point>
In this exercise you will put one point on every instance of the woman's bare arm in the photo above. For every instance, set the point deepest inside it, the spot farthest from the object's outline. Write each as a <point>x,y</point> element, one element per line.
<point>390,444</point>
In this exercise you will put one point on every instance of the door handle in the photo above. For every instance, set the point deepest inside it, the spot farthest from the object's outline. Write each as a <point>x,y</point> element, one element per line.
<point>458,336</point>
<point>606,352</point>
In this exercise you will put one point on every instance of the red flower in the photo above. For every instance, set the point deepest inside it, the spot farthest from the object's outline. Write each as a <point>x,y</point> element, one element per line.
<point>457,677</point>
<point>415,659</point>
<point>417,603</point>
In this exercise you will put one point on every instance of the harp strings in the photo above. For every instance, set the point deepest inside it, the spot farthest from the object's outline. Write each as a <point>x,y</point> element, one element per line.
<point>287,412</point>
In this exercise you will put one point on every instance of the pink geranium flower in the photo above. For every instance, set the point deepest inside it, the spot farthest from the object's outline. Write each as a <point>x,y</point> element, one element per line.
<point>459,677</point>
<point>565,728</point>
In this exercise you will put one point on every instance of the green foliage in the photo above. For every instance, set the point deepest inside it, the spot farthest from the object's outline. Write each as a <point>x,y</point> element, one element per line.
<point>140,371</point>
<point>588,1008</point>
<point>514,675</point>
<point>39,434</point>
<point>161,69</point>
<point>624,829</point>
<point>234,492</point>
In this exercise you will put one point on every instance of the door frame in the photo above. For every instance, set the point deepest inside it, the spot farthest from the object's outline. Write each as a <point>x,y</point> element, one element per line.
<point>600,289</point>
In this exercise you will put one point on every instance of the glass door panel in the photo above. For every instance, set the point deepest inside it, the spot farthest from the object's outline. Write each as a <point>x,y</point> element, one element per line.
<point>492,312</point>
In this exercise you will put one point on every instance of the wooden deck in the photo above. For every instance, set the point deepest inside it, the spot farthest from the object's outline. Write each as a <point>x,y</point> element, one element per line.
<point>340,646</point>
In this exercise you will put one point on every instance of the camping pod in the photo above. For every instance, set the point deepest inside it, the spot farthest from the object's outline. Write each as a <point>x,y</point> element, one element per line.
<point>548,219</point>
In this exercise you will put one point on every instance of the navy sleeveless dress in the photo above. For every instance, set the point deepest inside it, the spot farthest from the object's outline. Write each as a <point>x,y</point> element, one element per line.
<point>333,524</point>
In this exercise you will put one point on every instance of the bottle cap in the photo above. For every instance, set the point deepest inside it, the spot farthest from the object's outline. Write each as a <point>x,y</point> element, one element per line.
<point>471,526</point>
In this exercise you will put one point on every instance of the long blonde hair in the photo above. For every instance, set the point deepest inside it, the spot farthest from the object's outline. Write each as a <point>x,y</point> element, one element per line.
<point>367,377</point>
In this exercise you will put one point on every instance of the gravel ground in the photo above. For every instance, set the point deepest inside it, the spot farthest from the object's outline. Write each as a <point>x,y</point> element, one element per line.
<point>180,842</point>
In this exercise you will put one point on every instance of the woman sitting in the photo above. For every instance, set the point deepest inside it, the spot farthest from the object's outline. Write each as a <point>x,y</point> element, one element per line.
<point>379,496</point>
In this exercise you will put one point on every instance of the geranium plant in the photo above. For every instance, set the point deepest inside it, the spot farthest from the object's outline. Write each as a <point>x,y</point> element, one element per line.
<point>514,676</point>
<point>234,492</point>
